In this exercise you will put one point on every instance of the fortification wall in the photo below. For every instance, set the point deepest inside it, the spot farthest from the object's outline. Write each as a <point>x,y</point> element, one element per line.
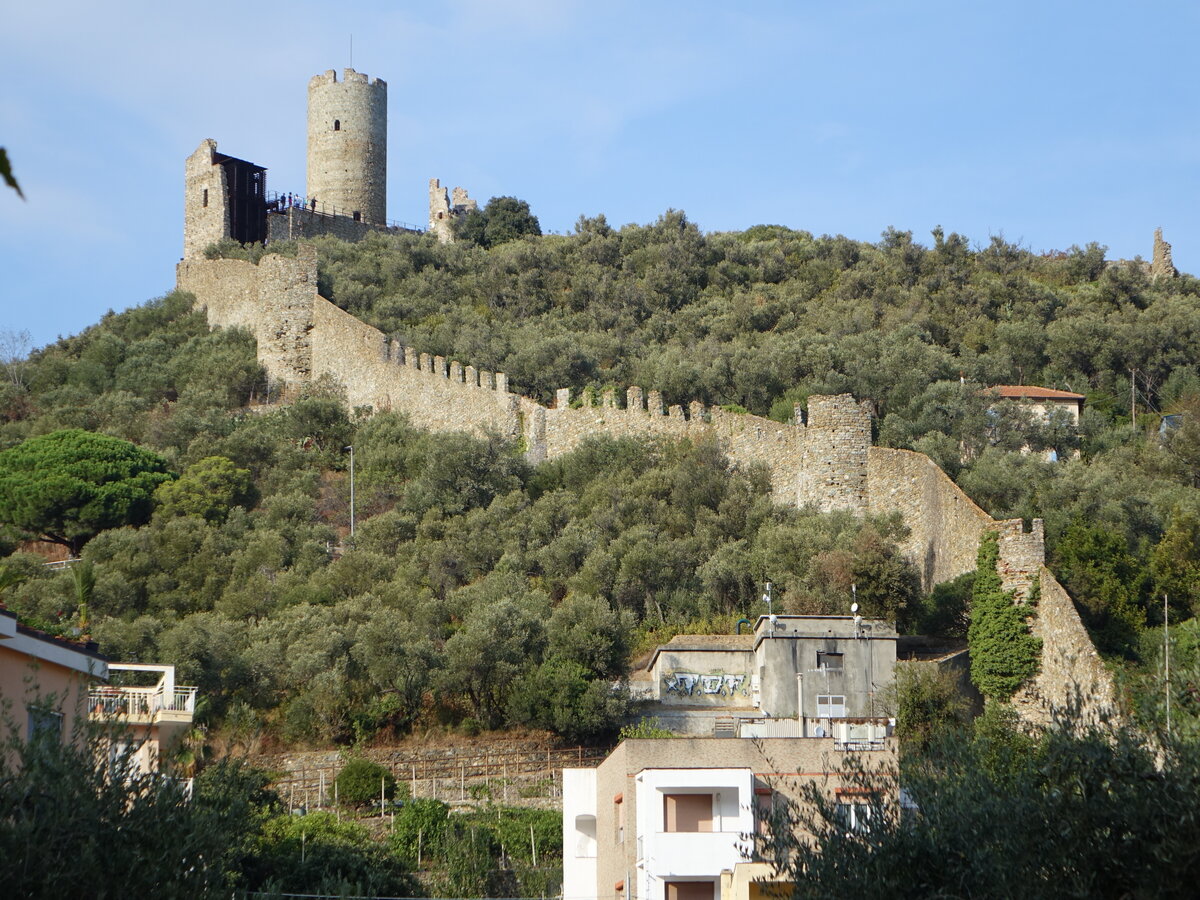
<point>297,224</point>
<point>744,438</point>
<point>945,525</point>
<point>273,300</point>
<point>829,463</point>
<point>1072,677</point>
<point>833,473</point>
<point>436,394</point>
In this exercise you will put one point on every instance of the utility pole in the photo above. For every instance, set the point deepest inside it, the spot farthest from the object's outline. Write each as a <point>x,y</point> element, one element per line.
<point>1167,658</point>
<point>1133,398</point>
<point>351,449</point>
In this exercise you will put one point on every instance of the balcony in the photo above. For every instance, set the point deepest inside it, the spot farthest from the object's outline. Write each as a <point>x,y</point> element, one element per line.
<point>691,854</point>
<point>161,704</point>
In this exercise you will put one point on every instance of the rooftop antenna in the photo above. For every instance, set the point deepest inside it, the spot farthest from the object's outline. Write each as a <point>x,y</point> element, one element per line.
<point>352,50</point>
<point>770,612</point>
<point>854,610</point>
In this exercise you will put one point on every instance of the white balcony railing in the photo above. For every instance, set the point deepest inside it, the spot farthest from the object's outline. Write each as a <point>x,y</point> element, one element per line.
<point>137,702</point>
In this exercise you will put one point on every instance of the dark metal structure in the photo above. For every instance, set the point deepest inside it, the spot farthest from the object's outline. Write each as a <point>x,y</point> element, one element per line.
<point>247,185</point>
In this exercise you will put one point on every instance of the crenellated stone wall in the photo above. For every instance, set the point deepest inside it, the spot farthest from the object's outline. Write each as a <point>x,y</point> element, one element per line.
<point>745,439</point>
<point>827,462</point>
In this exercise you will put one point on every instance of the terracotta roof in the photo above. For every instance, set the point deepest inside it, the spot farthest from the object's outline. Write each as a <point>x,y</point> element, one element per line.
<point>1032,392</point>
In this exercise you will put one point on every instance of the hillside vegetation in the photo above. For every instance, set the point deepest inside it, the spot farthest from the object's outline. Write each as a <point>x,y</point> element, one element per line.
<point>482,593</point>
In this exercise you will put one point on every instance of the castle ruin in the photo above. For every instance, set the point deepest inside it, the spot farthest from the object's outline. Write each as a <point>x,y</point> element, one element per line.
<point>445,210</point>
<point>346,190</point>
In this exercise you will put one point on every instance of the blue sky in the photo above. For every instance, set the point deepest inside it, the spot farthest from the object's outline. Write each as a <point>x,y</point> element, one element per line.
<point>1052,123</point>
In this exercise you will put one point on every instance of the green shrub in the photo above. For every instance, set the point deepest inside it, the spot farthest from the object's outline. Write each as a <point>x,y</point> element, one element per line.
<point>645,728</point>
<point>358,783</point>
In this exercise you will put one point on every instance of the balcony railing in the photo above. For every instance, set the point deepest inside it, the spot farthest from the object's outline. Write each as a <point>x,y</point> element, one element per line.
<point>140,702</point>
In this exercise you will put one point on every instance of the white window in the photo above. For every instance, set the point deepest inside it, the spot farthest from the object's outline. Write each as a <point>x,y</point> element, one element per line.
<point>853,815</point>
<point>44,724</point>
<point>831,706</point>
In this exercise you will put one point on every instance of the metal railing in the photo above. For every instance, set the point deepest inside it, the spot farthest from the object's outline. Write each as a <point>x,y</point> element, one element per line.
<point>278,203</point>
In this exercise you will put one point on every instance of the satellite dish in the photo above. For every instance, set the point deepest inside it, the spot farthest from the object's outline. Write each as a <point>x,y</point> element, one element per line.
<point>853,607</point>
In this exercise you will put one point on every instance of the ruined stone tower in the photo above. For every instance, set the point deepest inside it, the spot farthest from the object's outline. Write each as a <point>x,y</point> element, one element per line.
<point>347,145</point>
<point>836,444</point>
<point>1161,265</point>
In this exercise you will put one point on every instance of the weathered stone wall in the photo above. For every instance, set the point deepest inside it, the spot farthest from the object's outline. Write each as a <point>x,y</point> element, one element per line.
<point>834,470</point>
<point>744,438</point>
<point>436,394</point>
<point>944,524</point>
<point>440,217</point>
<point>297,224</point>
<point>347,145</point>
<point>205,207</point>
<point>828,463</point>
<point>444,211</point>
<point>1072,676</point>
<point>1161,265</point>
<point>273,300</point>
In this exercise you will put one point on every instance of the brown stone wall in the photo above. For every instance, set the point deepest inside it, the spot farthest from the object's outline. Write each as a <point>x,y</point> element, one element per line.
<point>834,468</point>
<point>944,524</point>
<point>435,395</point>
<point>1072,676</point>
<point>273,300</point>
<point>297,224</point>
<point>744,438</point>
<point>205,209</point>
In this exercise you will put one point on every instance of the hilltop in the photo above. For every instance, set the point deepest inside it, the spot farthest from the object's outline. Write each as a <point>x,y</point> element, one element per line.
<point>478,586</point>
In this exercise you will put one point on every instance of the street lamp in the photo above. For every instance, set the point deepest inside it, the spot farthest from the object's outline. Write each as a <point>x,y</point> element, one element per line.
<point>351,449</point>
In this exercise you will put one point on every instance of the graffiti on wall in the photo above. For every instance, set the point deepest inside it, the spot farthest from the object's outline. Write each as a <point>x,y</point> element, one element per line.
<point>692,684</point>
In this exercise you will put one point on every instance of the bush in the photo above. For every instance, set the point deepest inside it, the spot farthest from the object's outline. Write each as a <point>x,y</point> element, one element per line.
<point>1003,652</point>
<point>358,783</point>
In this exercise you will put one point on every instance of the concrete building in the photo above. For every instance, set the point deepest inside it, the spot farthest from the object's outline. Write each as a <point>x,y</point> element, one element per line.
<point>794,676</point>
<point>673,819</point>
<point>145,723</point>
<point>50,685</point>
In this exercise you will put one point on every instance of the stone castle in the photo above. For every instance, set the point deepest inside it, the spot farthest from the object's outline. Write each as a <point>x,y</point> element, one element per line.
<point>824,460</point>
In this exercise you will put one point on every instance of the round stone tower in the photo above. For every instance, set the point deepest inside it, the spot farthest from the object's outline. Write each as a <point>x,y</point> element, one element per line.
<point>347,145</point>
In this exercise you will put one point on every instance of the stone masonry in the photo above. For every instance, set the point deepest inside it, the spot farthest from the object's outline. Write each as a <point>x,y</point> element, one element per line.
<point>445,210</point>
<point>205,210</point>
<point>347,145</point>
<point>1161,265</point>
<point>827,463</point>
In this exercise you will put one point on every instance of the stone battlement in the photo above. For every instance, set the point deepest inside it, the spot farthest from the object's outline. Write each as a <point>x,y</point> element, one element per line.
<point>349,76</point>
